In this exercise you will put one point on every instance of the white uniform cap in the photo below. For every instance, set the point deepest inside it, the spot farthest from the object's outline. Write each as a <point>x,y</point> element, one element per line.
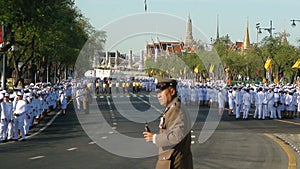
<point>19,93</point>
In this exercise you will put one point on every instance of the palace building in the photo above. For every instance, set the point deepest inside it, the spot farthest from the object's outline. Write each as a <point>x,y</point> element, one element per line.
<point>169,48</point>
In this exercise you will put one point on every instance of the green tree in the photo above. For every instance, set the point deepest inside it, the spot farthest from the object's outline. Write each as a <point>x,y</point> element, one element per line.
<point>45,32</point>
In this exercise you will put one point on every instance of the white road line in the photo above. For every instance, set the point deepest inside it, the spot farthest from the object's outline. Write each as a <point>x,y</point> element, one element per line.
<point>193,136</point>
<point>71,149</point>
<point>114,128</point>
<point>115,124</point>
<point>104,137</point>
<point>37,157</point>
<point>92,142</point>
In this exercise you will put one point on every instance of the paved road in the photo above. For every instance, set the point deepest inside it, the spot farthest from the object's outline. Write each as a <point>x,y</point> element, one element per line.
<point>70,143</point>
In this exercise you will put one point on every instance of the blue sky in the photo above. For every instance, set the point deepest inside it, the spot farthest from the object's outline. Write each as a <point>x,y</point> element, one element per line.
<point>232,15</point>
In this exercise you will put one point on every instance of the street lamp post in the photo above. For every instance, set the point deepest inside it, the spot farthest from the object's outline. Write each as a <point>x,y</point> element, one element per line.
<point>257,32</point>
<point>294,22</point>
<point>269,29</point>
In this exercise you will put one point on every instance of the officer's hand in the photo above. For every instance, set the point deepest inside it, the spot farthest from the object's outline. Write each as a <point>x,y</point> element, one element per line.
<point>148,136</point>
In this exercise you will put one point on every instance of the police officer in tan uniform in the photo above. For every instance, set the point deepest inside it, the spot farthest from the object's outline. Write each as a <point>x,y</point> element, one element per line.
<point>174,137</point>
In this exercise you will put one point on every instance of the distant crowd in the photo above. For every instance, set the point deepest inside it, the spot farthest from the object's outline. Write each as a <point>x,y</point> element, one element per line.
<point>262,100</point>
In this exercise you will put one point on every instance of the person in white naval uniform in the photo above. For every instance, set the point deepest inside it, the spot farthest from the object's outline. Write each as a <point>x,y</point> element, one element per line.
<point>221,101</point>
<point>276,104</point>
<point>265,103</point>
<point>298,103</point>
<point>10,127</point>
<point>19,110</point>
<point>63,101</point>
<point>238,102</point>
<point>6,117</point>
<point>231,102</point>
<point>260,96</point>
<point>271,107</point>
<point>290,103</point>
<point>246,103</point>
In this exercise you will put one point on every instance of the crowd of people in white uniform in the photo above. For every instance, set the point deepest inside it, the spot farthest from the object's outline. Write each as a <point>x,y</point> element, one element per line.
<point>26,106</point>
<point>262,100</point>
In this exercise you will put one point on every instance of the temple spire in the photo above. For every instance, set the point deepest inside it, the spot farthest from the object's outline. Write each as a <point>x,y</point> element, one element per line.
<point>246,43</point>
<point>284,40</point>
<point>218,33</point>
<point>189,34</point>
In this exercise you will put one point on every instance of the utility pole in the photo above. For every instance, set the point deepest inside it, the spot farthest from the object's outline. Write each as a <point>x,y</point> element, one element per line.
<point>3,59</point>
<point>145,3</point>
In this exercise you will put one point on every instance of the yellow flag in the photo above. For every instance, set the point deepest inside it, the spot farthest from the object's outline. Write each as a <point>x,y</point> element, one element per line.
<point>268,64</point>
<point>297,64</point>
<point>196,70</point>
<point>211,69</point>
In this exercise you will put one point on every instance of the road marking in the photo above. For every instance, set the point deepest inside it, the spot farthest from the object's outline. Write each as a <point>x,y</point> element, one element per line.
<point>104,137</point>
<point>92,142</point>
<point>37,157</point>
<point>289,122</point>
<point>292,160</point>
<point>71,149</point>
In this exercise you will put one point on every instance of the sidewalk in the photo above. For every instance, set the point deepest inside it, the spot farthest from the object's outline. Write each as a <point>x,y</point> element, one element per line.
<point>292,140</point>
